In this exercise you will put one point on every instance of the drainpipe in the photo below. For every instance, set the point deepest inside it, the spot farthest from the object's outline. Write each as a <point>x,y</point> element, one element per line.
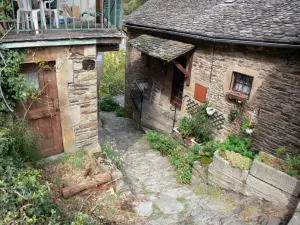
<point>216,40</point>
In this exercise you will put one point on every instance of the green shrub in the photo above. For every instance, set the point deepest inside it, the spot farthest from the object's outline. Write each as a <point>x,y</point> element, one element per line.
<point>113,80</point>
<point>17,139</point>
<point>207,149</point>
<point>108,104</point>
<point>185,126</point>
<point>198,125</point>
<point>120,112</point>
<point>239,144</point>
<point>183,159</point>
<point>23,198</point>
<point>180,156</point>
<point>161,142</point>
<point>14,85</point>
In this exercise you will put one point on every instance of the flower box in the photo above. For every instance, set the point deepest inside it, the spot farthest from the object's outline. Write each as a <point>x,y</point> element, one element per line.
<point>275,177</point>
<point>238,96</point>
<point>177,132</point>
<point>194,142</point>
<point>222,164</point>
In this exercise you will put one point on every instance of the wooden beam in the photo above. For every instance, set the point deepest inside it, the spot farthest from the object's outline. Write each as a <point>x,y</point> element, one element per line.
<point>181,68</point>
<point>190,65</point>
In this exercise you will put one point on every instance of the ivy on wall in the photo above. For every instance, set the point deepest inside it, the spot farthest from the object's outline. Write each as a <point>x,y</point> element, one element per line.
<point>14,84</point>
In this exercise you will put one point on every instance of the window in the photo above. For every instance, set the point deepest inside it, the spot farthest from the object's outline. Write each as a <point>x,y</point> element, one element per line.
<point>242,83</point>
<point>33,79</point>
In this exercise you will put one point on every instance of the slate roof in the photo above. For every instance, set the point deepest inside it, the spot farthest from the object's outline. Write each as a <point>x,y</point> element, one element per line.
<point>160,48</point>
<point>255,20</point>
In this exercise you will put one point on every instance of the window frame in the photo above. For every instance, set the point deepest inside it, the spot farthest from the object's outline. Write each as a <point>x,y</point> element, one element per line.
<point>233,82</point>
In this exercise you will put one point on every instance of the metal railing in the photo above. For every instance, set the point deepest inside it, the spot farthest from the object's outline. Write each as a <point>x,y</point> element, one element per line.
<point>34,15</point>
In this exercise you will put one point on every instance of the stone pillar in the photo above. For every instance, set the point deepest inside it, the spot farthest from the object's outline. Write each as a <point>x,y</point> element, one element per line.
<point>77,90</point>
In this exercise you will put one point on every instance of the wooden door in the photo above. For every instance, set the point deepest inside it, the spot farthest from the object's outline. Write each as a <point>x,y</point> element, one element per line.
<point>43,113</point>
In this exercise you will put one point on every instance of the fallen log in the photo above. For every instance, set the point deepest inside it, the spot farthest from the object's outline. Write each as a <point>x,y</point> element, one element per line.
<point>73,190</point>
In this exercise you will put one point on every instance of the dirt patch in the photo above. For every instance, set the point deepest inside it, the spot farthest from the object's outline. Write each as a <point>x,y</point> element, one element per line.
<point>101,203</point>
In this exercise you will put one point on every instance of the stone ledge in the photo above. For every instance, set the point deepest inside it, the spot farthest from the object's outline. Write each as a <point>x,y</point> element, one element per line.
<point>223,165</point>
<point>219,178</point>
<point>275,177</point>
<point>264,190</point>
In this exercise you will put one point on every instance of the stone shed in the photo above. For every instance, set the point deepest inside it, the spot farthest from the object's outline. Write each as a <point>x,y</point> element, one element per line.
<point>216,51</point>
<point>66,72</point>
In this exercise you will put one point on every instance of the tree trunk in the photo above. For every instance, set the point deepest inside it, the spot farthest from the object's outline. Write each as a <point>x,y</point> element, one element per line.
<point>99,179</point>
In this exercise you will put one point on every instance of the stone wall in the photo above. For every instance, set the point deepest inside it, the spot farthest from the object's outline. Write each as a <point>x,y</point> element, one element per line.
<point>275,93</point>
<point>77,90</point>
<point>274,96</point>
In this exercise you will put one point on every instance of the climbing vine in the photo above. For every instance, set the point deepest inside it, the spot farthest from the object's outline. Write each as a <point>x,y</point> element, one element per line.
<point>14,84</point>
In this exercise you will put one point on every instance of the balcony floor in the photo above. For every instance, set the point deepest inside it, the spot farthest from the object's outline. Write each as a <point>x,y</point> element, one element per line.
<point>81,31</point>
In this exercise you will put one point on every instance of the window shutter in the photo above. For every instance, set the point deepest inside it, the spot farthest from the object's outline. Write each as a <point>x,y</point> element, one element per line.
<point>200,93</point>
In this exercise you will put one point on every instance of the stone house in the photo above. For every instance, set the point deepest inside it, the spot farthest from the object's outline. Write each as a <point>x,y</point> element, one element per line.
<point>65,63</point>
<point>216,51</point>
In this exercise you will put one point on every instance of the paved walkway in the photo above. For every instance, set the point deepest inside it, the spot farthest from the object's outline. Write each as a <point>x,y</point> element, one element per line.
<point>160,198</point>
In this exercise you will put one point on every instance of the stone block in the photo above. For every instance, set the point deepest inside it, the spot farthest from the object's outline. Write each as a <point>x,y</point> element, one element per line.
<point>218,178</point>
<point>77,65</point>
<point>87,75</point>
<point>73,115</point>
<point>199,173</point>
<point>264,190</point>
<point>224,166</point>
<point>275,177</point>
<point>90,51</point>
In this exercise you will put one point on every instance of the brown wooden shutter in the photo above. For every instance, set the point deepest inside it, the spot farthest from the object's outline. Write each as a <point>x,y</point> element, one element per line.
<point>200,93</point>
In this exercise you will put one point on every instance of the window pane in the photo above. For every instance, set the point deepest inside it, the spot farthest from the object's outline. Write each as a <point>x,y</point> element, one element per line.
<point>33,79</point>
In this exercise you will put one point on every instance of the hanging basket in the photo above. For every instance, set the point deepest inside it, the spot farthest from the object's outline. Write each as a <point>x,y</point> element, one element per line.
<point>237,96</point>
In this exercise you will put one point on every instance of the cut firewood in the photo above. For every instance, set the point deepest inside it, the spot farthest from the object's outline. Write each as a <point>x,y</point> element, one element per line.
<point>99,179</point>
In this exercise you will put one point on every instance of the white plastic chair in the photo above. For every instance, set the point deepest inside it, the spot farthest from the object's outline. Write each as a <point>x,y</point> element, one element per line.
<point>25,8</point>
<point>50,11</point>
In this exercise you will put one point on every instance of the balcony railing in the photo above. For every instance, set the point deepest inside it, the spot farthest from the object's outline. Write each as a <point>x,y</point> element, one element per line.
<point>39,15</point>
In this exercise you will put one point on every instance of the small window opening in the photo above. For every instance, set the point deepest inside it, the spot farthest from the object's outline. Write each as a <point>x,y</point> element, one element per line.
<point>88,64</point>
<point>242,83</point>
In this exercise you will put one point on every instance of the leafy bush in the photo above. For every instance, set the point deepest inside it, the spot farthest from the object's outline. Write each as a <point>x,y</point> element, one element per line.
<point>239,144</point>
<point>161,142</point>
<point>198,126</point>
<point>17,139</point>
<point>23,198</point>
<point>206,151</point>
<point>113,80</point>
<point>14,85</point>
<point>120,112</point>
<point>180,156</point>
<point>183,160</point>
<point>108,104</point>
<point>185,125</point>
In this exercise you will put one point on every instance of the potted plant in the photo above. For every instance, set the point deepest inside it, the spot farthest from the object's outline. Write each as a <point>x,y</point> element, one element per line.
<point>177,132</point>
<point>210,111</point>
<point>185,127</point>
<point>282,173</point>
<point>248,125</point>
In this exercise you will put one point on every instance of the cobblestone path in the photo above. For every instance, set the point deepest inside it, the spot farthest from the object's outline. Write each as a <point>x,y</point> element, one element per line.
<point>160,198</point>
